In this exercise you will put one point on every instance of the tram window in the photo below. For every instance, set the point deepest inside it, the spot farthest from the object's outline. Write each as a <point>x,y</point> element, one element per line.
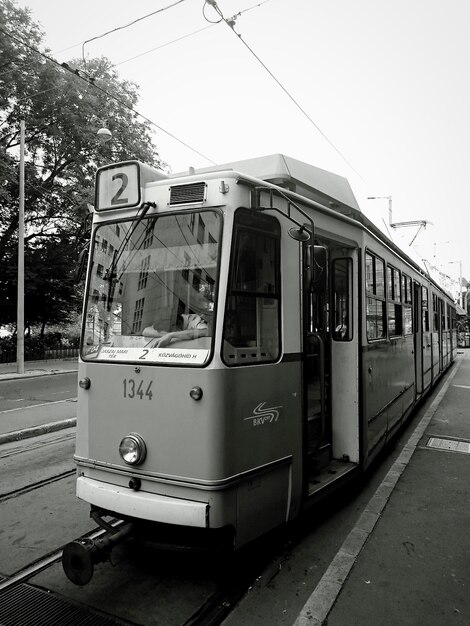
<point>442,306</point>
<point>158,289</point>
<point>407,297</point>
<point>394,307</point>
<point>435,313</point>
<point>407,320</point>
<point>251,331</point>
<point>406,289</point>
<point>342,284</point>
<point>375,315</point>
<point>395,321</point>
<point>425,309</point>
<point>375,302</point>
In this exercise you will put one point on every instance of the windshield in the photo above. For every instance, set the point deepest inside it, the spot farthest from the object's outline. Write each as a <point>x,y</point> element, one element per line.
<point>151,289</point>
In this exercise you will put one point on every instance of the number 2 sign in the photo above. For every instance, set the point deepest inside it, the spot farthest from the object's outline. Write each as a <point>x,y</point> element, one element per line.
<point>118,186</point>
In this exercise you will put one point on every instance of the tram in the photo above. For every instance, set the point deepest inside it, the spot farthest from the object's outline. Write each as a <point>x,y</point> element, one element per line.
<point>250,342</point>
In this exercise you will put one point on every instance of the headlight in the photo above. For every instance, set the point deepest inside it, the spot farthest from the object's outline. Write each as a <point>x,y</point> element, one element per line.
<point>133,449</point>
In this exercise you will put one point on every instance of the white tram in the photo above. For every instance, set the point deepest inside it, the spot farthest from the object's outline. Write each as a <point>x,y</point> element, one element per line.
<point>250,341</point>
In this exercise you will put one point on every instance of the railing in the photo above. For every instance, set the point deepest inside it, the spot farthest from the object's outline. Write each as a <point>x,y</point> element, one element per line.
<point>39,354</point>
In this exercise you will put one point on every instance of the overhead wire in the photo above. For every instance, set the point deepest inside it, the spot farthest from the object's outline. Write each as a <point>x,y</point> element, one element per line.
<point>194,32</point>
<point>92,82</point>
<point>164,45</point>
<point>139,19</point>
<point>231,24</point>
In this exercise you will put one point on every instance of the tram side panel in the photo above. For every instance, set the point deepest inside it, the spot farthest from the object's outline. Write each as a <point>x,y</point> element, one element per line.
<point>388,367</point>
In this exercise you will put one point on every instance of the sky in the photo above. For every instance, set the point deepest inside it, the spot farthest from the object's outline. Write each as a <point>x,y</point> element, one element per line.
<point>382,91</point>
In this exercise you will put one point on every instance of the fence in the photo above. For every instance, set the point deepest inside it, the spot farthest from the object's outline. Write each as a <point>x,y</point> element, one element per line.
<point>40,354</point>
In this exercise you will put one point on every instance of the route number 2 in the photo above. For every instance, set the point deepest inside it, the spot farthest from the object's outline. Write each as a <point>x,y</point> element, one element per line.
<point>117,198</point>
<point>118,186</point>
<point>135,390</point>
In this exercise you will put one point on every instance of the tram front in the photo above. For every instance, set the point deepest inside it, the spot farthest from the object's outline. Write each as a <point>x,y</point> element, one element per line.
<point>182,402</point>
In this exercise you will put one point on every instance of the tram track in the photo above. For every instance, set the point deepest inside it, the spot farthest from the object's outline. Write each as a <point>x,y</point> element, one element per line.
<point>33,445</point>
<point>36,485</point>
<point>44,562</point>
<point>212,612</point>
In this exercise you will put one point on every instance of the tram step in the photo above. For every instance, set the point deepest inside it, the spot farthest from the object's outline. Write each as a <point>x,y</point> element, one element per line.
<point>319,459</point>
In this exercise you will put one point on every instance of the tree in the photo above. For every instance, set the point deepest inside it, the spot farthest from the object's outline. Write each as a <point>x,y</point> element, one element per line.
<point>63,107</point>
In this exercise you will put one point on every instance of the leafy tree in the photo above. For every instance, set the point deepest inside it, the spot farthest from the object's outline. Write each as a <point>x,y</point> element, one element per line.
<point>63,107</point>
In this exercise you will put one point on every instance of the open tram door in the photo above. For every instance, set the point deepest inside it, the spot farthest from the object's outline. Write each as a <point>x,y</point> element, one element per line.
<point>317,447</point>
<point>331,366</point>
<point>418,337</point>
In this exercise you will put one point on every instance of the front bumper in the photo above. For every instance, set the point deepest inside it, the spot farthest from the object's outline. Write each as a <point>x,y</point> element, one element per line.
<point>140,505</point>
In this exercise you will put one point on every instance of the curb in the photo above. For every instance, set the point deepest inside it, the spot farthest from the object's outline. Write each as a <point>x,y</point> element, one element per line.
<point>34,374</point>
<point>35,431</point>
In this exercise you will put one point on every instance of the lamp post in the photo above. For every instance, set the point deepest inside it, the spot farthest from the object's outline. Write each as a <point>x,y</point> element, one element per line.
<point>20,301</point>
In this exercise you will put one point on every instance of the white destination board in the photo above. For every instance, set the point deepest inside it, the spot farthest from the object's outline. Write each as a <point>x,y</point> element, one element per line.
<point>151,355</point>
<point>118,186</point>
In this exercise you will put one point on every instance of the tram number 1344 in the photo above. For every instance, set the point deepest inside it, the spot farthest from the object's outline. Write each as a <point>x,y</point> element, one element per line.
<point>137,390</point>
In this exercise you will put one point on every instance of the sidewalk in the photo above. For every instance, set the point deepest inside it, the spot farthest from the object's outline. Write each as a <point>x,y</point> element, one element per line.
<point>8,371</point>
<point>33,425</point>
<point>407,561</point>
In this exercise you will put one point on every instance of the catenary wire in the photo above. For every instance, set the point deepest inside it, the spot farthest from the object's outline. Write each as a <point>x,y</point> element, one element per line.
<point>231,24</point>
<point>163,45</point>
<point>139,19</point>
<point>194,32</point>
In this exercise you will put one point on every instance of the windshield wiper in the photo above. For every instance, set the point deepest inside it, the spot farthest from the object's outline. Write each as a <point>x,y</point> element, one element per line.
<point>110,273</point>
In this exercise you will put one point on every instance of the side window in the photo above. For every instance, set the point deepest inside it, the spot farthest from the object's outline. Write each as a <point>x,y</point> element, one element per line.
<point>435,312</point>
<point>425,309</point>
<point>375,297</point>
<point>342,287</point>
<point>251,331</point>
<point>394,308</point>
<point>443,314</point>
<point>407,291</point>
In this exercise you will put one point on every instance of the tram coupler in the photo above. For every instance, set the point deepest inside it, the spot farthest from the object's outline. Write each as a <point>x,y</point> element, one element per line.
<point>80,556</point>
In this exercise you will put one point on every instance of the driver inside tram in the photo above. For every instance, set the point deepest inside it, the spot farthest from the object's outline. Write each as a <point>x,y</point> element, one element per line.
<point>191,326</point>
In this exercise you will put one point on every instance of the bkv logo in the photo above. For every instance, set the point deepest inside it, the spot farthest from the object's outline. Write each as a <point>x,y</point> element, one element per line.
<point>263,415</point>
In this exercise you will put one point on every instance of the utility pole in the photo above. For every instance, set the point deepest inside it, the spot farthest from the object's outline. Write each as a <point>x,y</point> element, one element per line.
<point>20,303</point>
<point>420,223</point>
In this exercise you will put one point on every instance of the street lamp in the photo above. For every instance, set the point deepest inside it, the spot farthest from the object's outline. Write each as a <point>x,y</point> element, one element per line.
<point>104,135</point>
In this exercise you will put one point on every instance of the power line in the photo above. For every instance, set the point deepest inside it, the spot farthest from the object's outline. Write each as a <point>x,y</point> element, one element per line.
<point>194,32</point>
<point>139,19</point>
<point>164,45</point>
<point>231,23</point>
<point>92,82</point>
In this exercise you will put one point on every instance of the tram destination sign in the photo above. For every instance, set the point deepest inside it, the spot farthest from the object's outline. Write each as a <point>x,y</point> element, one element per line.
<point>150,355</point>
<point>121,185</point>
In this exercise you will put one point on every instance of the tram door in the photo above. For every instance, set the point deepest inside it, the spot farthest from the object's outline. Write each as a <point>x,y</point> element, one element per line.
<point>418,336</point>
<point>317,365</point>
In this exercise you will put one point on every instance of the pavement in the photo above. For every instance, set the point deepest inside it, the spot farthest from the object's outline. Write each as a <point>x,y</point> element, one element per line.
<point>407,560</point>
<point>9,430</point>
<point>8,371</point>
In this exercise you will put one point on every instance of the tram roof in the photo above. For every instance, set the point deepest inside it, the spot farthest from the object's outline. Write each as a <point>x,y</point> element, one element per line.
<point>312,182</point>
<point>306,180</point>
